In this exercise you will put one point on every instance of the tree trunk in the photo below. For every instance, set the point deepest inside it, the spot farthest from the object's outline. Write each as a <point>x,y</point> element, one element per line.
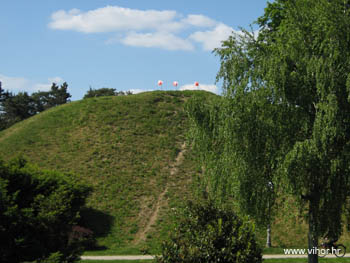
<point>313,234</point>
<point>268,236</point>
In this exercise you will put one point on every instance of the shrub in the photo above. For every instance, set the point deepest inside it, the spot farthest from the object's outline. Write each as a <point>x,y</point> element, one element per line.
<point>37,211</point>
<point>207,233</point>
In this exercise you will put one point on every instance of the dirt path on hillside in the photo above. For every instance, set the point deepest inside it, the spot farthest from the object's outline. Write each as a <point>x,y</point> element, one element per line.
<point>161,201</point>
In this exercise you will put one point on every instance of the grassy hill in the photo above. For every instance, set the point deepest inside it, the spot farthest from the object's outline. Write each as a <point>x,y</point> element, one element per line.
<point>131,150</point>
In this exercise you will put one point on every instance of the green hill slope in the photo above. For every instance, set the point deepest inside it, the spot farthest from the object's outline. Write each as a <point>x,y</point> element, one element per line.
<point>129,148</point>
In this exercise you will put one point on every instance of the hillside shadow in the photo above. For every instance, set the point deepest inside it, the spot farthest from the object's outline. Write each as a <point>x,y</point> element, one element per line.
<point>99,222</point>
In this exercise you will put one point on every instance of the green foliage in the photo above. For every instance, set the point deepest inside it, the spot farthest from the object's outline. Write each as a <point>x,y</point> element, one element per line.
<point>91,93</point>
<point>38,209</point>
<point>207,233</point>
<point>206,125</point>
<point>241,138</point>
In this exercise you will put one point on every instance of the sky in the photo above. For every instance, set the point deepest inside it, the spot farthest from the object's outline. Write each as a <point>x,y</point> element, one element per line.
<point>120,44</point>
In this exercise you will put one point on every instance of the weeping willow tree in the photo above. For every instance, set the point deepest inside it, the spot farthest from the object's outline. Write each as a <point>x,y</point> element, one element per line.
<point>240,139</point>
<point>283,122</point>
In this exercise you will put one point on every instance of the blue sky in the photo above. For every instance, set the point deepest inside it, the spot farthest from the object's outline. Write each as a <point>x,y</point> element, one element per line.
<point>126,45</point>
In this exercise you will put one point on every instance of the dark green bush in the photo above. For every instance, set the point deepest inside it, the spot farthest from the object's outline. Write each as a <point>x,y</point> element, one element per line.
<point>37,212</point>
<point>207,233</point>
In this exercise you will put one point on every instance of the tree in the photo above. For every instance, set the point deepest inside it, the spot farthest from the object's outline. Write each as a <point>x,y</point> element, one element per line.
<point>309,66</point>
<point>59,95</point>
<point>240,140</point>
<point>302,61</point>
<point>37,212</point>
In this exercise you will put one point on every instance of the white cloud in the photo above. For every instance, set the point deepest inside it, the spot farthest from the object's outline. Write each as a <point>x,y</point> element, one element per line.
<point>164,29</point>
<point>199,20</point>
<point>113,18</point>
<point>207,87</point>
<point>159,39</point>
<point>212,39</point>
<point>20,84</point>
